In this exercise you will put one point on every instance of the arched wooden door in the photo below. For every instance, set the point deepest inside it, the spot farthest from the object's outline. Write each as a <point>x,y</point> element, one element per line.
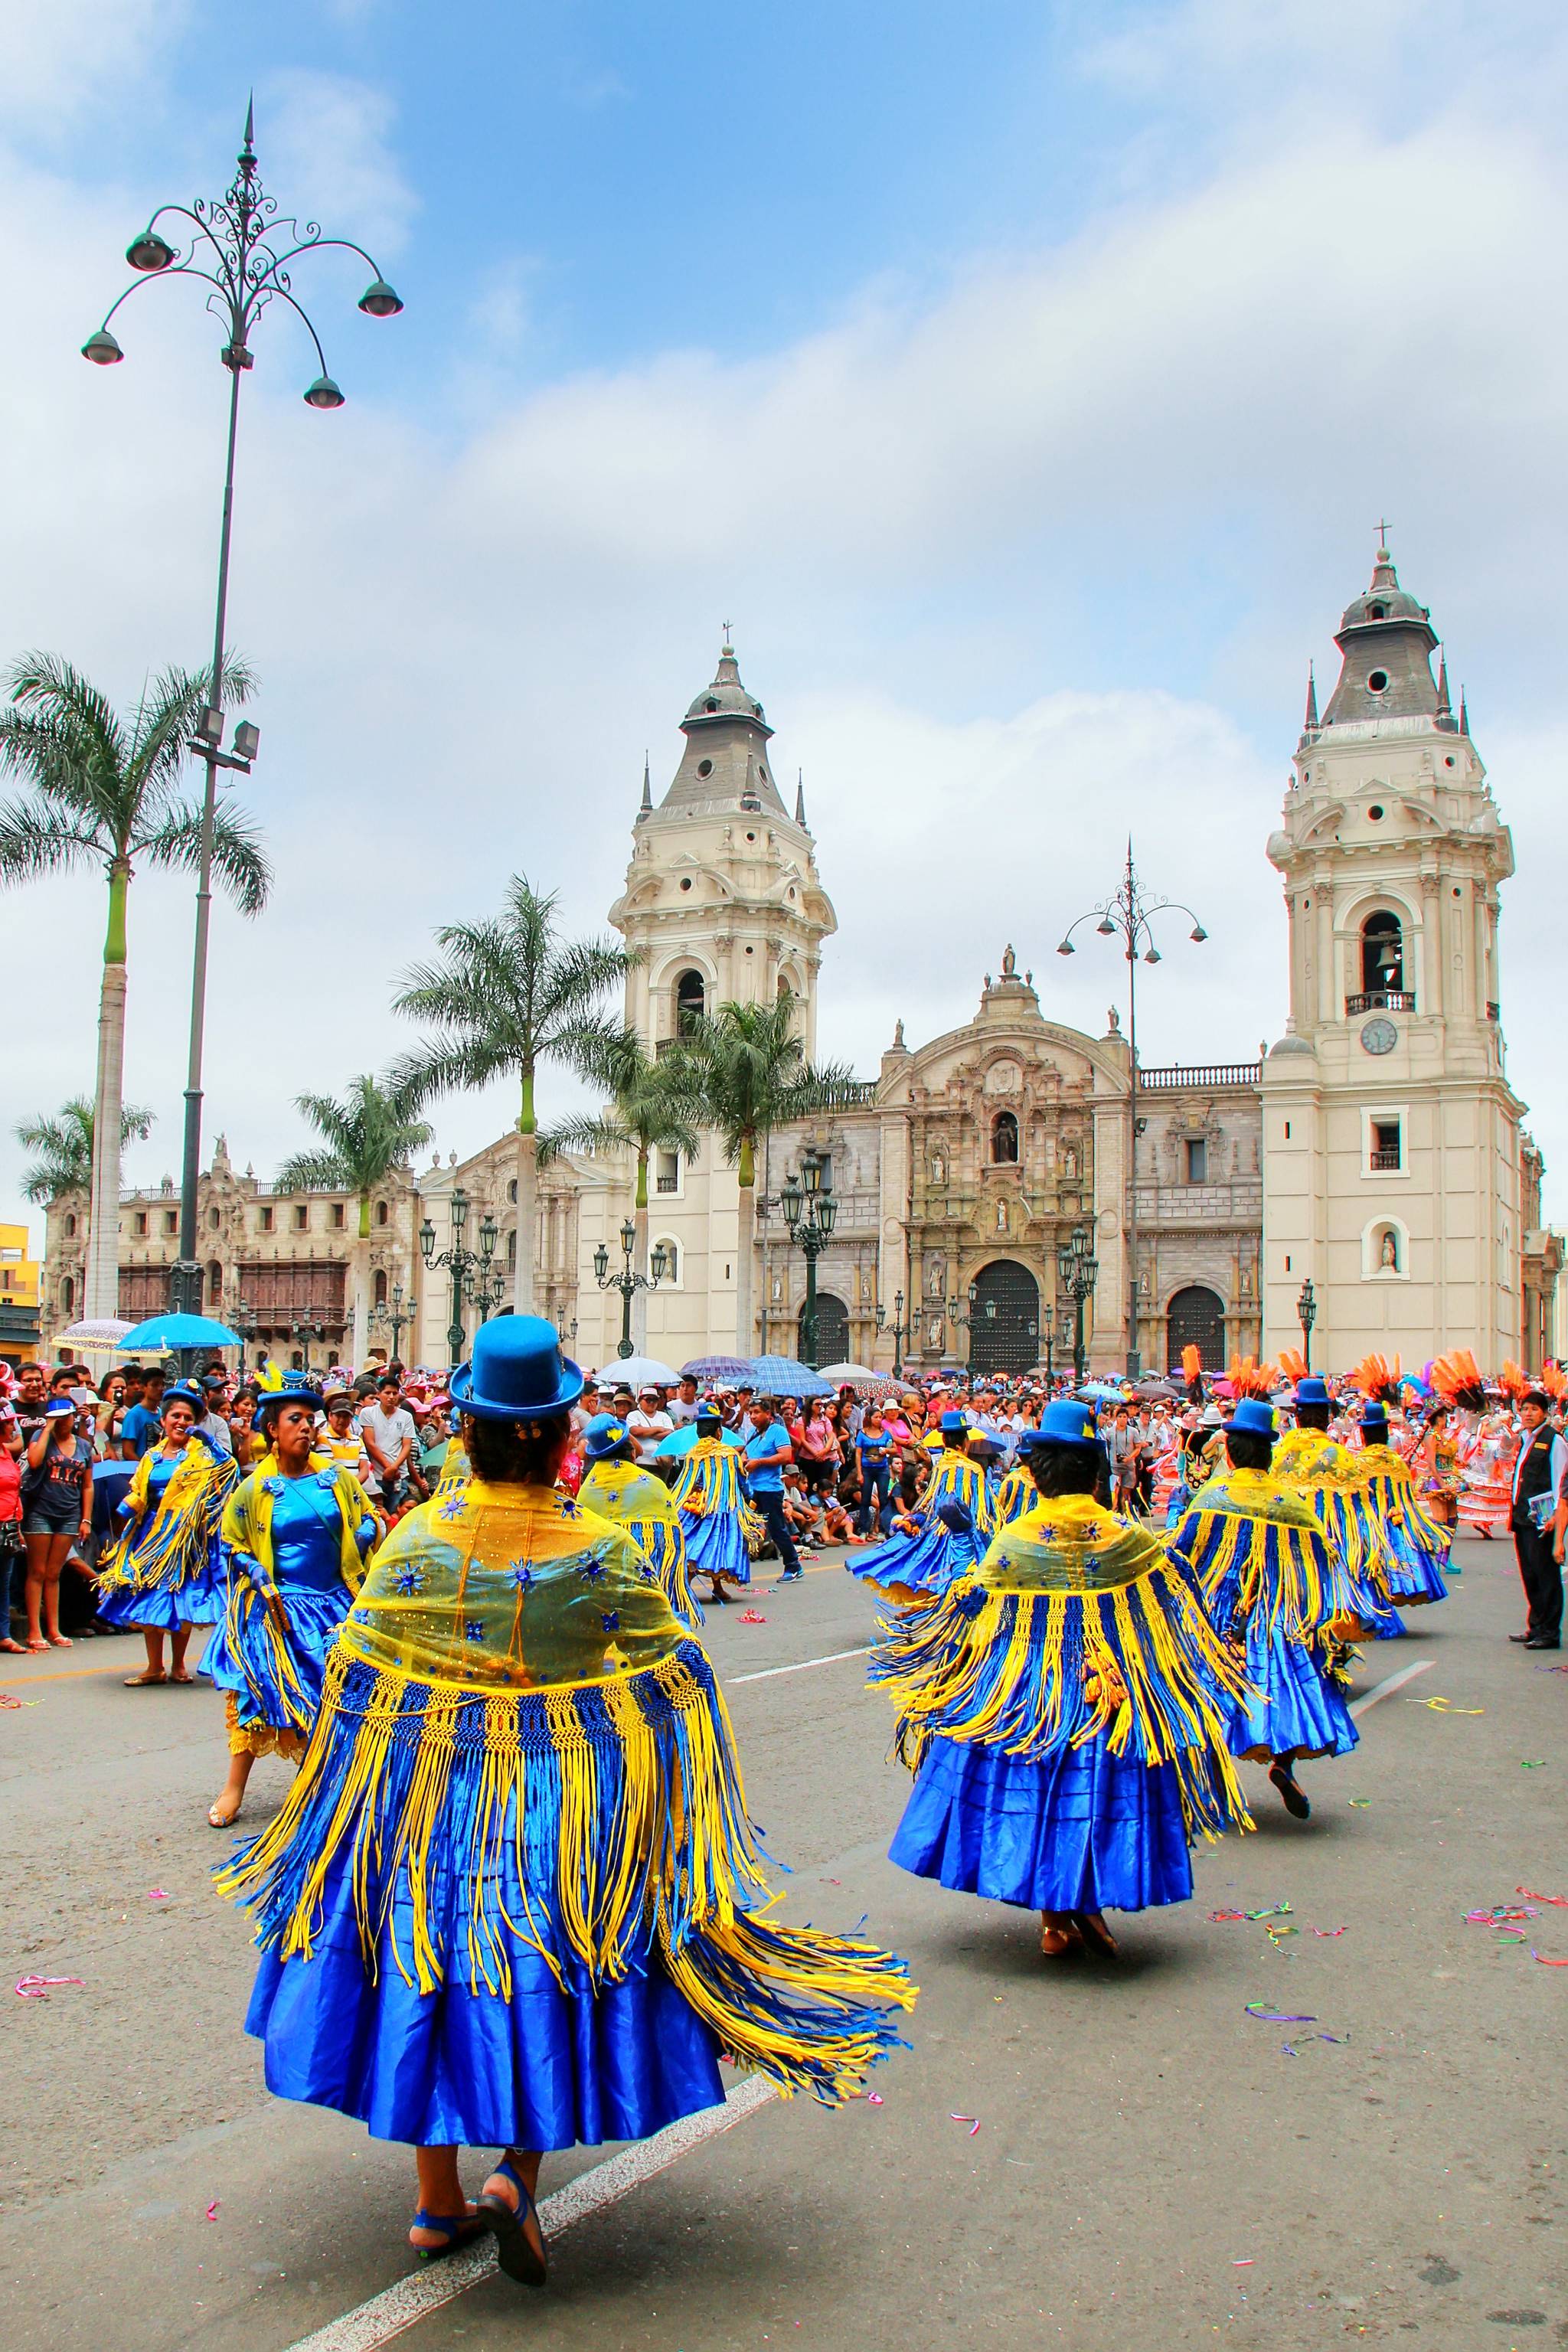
<point>1005,1319</point>
<point>832,1330</point>
<point>1195,1318</point>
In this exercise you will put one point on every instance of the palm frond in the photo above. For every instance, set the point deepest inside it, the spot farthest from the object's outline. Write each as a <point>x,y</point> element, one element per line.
<point>35,841</point>
<point>239,863</point>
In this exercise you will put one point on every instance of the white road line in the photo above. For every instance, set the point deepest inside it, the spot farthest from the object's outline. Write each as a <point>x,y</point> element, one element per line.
<point>414,2299</point>
<point>800,1666</point>
<point>1394,1682</point>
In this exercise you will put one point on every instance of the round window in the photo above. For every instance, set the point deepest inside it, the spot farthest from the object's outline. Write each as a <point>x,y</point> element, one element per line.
<point>1448,760</point>
<point>705,767</point>
<point>750,836</point>
<point>1376,680</point>
<point>1375,813</point>
<point>685,881</point>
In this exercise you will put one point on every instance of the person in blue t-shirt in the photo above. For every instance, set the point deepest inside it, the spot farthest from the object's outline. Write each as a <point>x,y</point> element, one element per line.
<point>142,1423</point>
<point>875,1447</point>
<point>767,1449</point>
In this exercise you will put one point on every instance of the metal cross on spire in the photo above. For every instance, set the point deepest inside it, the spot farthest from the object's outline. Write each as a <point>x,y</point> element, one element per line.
<point>1382,536</point>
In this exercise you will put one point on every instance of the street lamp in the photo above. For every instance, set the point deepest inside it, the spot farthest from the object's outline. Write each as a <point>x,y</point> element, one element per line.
<point>241,247</point>
<point>308,1323</point>
<point>811,1212</point>
<point>899,1328</point>
<point>1307,1315</point>
<point>1077,1271</point>
<point>382,1317</point>
<point>469,1269</point>
<point>627,1281</point>
<point>1047,1328</point>
<point>1127,915</point>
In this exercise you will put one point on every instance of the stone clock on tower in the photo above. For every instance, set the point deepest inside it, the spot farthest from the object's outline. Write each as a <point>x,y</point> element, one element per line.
<point>1392,1144</point>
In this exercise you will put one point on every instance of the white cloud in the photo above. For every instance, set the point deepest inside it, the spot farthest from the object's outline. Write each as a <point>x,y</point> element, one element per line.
<point>325,144</point>
<point>61,55</point>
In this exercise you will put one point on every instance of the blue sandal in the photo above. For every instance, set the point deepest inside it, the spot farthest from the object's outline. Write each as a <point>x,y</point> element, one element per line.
<point>515,2250</point>
<point>459,2227</point>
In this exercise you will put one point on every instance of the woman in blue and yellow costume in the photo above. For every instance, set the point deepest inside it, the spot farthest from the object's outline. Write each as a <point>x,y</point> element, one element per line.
<point>295,1531</point>
<point>514,1897</point>
<point>1323,1473</point>
<point>1063,1708</point>
<point>717,1523</point>
<point>1018,1493</point>
<point>1281,1596</point>
<point>165,1572</point>
<point>616,1488</point>
<point>1416,1546</point>
<point>956,1523</point>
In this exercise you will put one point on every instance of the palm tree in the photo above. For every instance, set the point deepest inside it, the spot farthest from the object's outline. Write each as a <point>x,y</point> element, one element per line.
<point>511,994</point>
<point>65,1144</point>
<point>106,790</point>
<point>653,1107</point>
<point>372,1132</point>
<point>748,1068</point>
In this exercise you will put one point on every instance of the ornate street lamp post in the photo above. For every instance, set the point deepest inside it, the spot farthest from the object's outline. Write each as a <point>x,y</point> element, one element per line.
<point>1048,1328</point>
<point>385,1317</point>
<point>1127,915</point>
<point>1307,1315</point>
<point>308,1323</point>
<point>899,1328</point>
<point>629,1282</point>
<point>240,247</point>
<point>811,1212</point>
<point>1077,1271</point>
<point>469,1269</point>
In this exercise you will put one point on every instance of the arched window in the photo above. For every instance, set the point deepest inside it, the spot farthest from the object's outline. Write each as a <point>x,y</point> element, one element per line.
<point>70,1229</point>
<point>1382,953</point>
<point>691,1001</point>
<point>67,1296</point>
<point>381,1212</point>
<point>671,1258</point>
<point>380,1285</point>
<point>512,1251</point>
<point>1005,1139</point>
<point>215,1284</point>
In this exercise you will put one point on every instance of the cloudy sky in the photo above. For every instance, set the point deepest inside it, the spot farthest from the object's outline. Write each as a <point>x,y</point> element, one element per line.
<point>1023,382</point>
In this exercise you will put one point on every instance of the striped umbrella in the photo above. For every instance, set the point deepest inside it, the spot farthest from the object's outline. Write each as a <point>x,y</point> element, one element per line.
<point>782,1376</point>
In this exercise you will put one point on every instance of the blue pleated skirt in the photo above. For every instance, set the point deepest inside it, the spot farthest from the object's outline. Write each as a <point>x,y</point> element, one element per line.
<point>1298,1707</point>
<point>1414,1578</point>
<point>715,1545</point>
<point>926,1563</point>
<point>1084,1831</point>
<point>238,1662</point>
<point>201,1600</point>
<point>545,2068</point>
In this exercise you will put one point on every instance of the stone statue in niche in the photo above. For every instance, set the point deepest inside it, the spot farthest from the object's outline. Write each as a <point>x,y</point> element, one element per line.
<point>1388,1252</point>
<point>936,1333</point>
<point>778,1287</point>
<point>938,1168</point>
<point>1070,1163</point>
<point>936,1278</point>
<point>1000,1216</point>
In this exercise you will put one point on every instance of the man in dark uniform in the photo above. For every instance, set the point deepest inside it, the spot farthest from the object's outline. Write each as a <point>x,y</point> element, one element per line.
<point>1538,1478</point>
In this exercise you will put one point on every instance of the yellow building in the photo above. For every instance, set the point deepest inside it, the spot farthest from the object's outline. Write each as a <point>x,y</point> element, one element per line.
<point>19,1273</point>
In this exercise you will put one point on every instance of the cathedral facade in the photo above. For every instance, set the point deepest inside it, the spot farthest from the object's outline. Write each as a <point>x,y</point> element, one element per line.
<point>981,1180</point>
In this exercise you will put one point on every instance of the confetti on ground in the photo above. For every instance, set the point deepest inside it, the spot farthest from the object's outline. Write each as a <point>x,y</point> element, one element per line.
<point>1277,2016</point>
<point>973,2121</point>
<point>1328,1931</point>
<point>157,1895</point>
<point>1558,1902</point>
<point>1217,1917</point>
<point>874,2099</point>
<point>7,1700</point>
<point>1544,1961</point>
<point>1358,1800</point>
<point>1242,2261</point>
<point>1531,1763</point>
<point>37,1988</point>
<point>749,1617</point>
<point>212,2211</point>
<point>1443,1707</point>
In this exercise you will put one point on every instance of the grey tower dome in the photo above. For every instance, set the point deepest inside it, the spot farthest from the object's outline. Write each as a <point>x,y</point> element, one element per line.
<point>1387,641</point>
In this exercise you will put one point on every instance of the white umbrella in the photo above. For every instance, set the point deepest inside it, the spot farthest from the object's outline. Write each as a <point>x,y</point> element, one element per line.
<point>852,1373</point>
<point>101,1335</point>
<point>638,1372</point>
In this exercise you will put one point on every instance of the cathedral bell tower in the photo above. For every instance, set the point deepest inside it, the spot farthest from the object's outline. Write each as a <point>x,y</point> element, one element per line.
<point>1391,1147</point>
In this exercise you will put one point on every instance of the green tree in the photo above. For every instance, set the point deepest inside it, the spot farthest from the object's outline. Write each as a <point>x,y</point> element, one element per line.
<point>103,789</point>
<point>64,1144</point>
<point>747,1067</point>
<point>653,1107</point>
<point>374,1130</point>
<point>511,994</point>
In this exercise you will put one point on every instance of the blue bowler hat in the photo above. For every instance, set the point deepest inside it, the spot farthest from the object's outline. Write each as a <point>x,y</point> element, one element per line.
<point>1310,1389</point>
<point>952,1424</point>
<point>1065,1422</point>
<point>295,1390</point>
<point>1375,1416</point>
<point>605,1437</point>
<point>184,1392</point>
<point>1254,1417</point>
<point>517,1371</point>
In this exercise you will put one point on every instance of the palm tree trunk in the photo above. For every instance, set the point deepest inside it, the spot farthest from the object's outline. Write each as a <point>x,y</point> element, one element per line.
<point>639,1255</point>
<point>101,1291</point>
<point>745,1337</point>
<point>527,1199</point>
<point>362,1286</point>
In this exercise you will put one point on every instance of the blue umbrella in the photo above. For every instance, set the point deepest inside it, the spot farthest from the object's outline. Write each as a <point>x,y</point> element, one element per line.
<point>681,1440</point>
<point>716,1367</point>
<point>782,1376</point>
<point>179,1331</point>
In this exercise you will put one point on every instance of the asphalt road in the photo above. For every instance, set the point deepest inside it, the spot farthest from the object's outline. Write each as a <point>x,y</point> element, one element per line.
<point>1153,2167</point>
